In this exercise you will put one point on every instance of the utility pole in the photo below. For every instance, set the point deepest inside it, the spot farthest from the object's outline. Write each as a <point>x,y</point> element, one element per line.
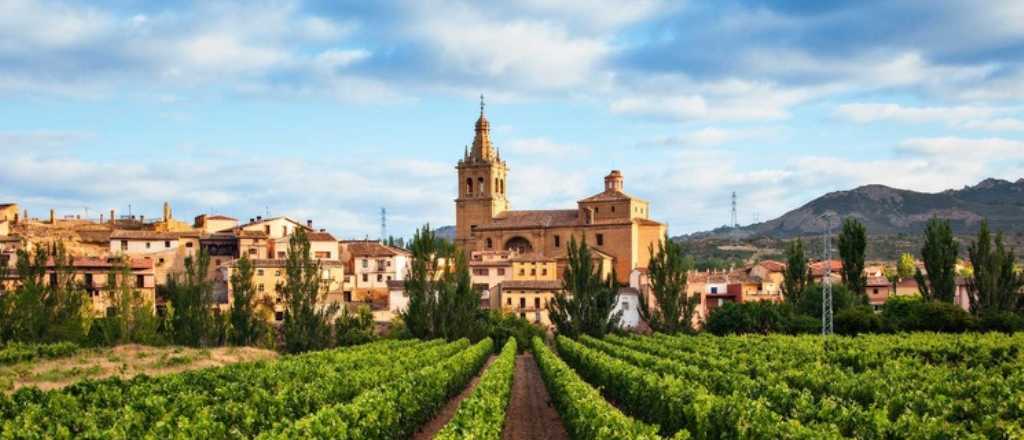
<point>734,223</point>
<point>383,224</point>
<point>826,283</point>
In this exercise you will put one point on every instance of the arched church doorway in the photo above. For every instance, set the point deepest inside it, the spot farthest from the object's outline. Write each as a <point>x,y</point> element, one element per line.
<point>519,244</point>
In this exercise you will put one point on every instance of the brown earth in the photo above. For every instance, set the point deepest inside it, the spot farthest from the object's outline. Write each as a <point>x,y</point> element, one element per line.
<point>123,361</point>
<point>442,418</point>
<point>531,414</point>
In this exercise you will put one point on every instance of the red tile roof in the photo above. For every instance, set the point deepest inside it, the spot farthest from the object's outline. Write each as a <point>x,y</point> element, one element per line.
<point>531,285</point>
<point>320,236</point>
<point>772,265</point>
<point>542,218</point>
<point>366,248</point>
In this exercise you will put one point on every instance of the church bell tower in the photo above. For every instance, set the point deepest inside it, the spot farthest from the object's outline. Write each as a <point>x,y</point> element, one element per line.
<point>481,185</point>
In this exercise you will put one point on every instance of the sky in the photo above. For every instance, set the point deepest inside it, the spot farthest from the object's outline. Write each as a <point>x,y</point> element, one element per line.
<point>333,110</point>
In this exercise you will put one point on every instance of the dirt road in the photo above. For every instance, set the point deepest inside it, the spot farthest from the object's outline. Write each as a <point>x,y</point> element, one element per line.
<point>531,414</point>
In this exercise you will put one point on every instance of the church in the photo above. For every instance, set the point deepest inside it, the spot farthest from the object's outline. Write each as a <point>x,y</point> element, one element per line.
<point>612,221</point>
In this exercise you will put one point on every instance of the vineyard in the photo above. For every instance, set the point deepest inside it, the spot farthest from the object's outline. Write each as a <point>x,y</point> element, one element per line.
<point>869,387</point>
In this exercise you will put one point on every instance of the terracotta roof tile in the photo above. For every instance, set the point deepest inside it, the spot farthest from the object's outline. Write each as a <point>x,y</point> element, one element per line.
<point>364,248</point>
<point>144,235</point>
<point>320,236</point>
<point>540,218</point>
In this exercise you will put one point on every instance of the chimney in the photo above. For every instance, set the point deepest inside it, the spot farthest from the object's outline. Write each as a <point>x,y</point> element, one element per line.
<point>167,211</point>
<point>142,219</point>
<point>25,217</point>
<point>323,230</point>
<point>259,218</point>
<point>309,224</point>
<point>112,216</point>
<point>53,217</point>
<point>101,218</point>
<point>252,220</point>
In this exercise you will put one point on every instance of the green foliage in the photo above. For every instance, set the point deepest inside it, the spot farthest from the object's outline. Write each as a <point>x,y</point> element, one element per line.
<point>915,314</point>
<point>131,317</point>
<point>190,296</point>
<point>797,274</point>
<point>673,309</point>
<point>20,352</point>
<point>585,303</point>
<point>237,401</point>
<point>482,414</point>
<point>939,254</point>
<point>858,319</point>
<point>852,246</point>
<point>1000,321</point>
<point>394,409</point>
<point>584,411</point>
<point>502,327</point>
<point>307,320</point>
<point>442,301</point>
<point>810,302</point>
<point>48,305</point>
<point>247,328</point>
<point>903,386</point>
<point>760,317</point>
<point>905,267</point>
<point>995,286</point>
<point>354,328</point>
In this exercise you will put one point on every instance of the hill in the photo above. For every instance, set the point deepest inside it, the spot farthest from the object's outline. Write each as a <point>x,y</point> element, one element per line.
<point>891,211</point>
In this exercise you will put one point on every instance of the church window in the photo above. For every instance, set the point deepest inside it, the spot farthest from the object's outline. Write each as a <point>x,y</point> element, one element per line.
<point>597,210</point>
<point>489,243</point>
<point>600,239</point>
<point>613,209</point>
<point>558,241</point>
<point>469,185</point>
<point>480,184</point>
<point>497,188</point>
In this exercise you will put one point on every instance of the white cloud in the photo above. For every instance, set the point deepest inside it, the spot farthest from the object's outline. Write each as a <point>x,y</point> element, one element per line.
<point>1001,124</point>
<point>871,112</point>
<point>713,136</point>
<point>957,149</point>
<point>538,54</point>
<point>332,59</point>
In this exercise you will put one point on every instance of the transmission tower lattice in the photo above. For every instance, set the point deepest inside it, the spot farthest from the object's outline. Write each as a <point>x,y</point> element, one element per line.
<point>826,286</point>
<point>383,224</point>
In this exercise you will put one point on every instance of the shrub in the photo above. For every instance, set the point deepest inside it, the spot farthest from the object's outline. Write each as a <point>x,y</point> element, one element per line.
<point>810,301</point>
<point>1006,322</point>
<point>910,314</point>
<point>856,320</point>
<point>502,326</point>
<point>754,317</point>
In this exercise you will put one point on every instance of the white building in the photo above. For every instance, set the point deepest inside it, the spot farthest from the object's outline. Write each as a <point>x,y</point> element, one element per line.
<point>628,302</point>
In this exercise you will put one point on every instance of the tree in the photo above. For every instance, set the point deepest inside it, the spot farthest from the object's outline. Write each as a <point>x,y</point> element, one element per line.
<point>307,320</point>
<point>354,328</point>
<point>852,245</point>
<point>796,276</point>
<point>442,301</point>
<point>585,303</point>
<point>48,305</point>
<point>667,272</point>
<point>131,316</point>
<point>939,254</point>
<point>246,327</point>
<point>996,286</point>
<point>906,266</point>
<point>190,295</point>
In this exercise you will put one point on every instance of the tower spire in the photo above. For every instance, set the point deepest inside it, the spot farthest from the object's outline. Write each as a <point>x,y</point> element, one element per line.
<point>482,149</point>
<point>481,105</point>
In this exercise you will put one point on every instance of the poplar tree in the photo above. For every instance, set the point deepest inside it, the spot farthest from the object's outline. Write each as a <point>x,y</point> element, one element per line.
<point>585,303</point>
<point>307,319</point>
<point>996,286</point>
<point>939,254</point>
<point>852,246</point>
<point>796,276</point>
<point>667,273</point>
<point>246,326</point>
<point>190,295</point>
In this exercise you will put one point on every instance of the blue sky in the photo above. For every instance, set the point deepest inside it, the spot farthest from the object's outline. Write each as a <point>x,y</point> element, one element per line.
<point>332,110</point>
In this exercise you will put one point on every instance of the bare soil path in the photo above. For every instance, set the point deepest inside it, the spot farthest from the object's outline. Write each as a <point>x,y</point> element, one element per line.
<point>442,418</point>
<point>531,414</point>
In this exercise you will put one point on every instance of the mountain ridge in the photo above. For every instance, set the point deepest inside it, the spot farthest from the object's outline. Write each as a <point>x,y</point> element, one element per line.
<point>885,210</point>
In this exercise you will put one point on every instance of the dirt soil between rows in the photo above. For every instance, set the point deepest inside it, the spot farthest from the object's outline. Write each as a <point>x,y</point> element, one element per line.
<point>531,413</point>
<point>442,418</point>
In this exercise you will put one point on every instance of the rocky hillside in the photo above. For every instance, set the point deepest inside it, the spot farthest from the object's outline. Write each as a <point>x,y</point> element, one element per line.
<point>889,211</point>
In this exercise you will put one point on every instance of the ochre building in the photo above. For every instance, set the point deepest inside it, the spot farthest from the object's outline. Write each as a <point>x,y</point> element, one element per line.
<point>611,221</point>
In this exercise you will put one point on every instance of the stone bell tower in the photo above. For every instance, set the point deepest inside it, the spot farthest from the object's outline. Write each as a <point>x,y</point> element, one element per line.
<point>481,184</point>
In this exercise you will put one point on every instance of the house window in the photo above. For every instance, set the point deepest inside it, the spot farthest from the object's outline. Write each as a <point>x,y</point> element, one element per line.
<point>348,296</point>
<point>522,271</point>
<point>216,262</point>
<point>600,239</point>
<point>366,263</point>
<point>160,261</point>
<point>277,273</point>
<point>279,316</point>
<point>147,245</point>
<point>124,245</point>
<point>326,255</point>
<point>544,272</point>
<point>625,306</point>
<point>53,279</point>
<point>259,287</point>
<point>508,301</point>
<point>259,272</point>
<point>489,243</point>
<point>558,241</point>
<point>140,281</point>
<point>876,291</point>
<point>188,244</point>
<point>366,278</point>
<point>522,303</point>
<point>281,255</point>
<point>267,229</point>
<point>88,280</point>
<point>533,271</point>
<point>714,290</point>
<point>380,278</point>
<point>284,230</point>
<point>501,271</point>
<point>252,251</point>
<point>167,243</point>
<point>536,303</point>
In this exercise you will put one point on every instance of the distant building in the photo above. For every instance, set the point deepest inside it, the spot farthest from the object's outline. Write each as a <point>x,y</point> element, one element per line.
<point>94,275</point>
<point>214,223</point>
<point>370,265</point>
<point>9,212</point>
<point>612,221</point>
<point>269,279</point>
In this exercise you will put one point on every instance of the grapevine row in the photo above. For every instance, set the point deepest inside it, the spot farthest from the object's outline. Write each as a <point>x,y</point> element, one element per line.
<point>482,415</point>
